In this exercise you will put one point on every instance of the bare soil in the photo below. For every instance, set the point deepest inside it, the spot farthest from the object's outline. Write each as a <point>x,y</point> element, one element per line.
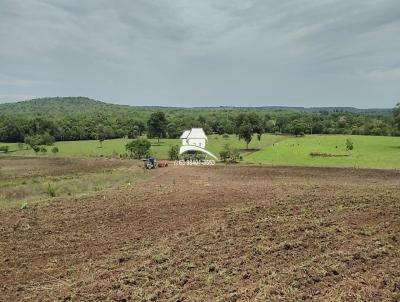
<point>212,234</point>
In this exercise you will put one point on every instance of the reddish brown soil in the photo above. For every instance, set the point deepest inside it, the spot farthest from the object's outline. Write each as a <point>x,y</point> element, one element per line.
<point>212,234</point>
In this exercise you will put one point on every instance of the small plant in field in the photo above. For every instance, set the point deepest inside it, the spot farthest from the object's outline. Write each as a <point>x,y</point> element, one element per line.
<point>349,144</point>
<point>43,150</point>
<point>159,259</point>
<point>51,191</point>
<point>54,150</point>
<point>24,206</point>
<point>190,265</point>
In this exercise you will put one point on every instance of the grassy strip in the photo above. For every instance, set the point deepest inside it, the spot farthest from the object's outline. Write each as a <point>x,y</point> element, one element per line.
<point>20,191</point>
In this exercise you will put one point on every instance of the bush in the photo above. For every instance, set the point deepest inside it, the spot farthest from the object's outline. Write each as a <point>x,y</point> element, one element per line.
<point>43,150</point>
<point>230,155</point>
<point>224,155</point>
<point>349,144</point>
<point>139,148</point>
<point>36,149</point>
<point>54,150</point>
<point>173,152</point>
<point>4,149</point>
<point>37,139</point>
<point>322,154</point>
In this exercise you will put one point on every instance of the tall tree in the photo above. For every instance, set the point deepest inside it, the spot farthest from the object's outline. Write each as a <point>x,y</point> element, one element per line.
<point>157,125</point>
<point>246,125</point>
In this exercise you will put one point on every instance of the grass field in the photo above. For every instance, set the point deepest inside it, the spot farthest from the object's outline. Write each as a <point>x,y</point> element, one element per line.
<point>160,150</point>
<point>369,151</point>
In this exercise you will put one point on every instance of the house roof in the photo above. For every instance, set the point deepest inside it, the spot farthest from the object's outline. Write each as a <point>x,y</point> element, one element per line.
<point>197,133</point>
<point>194,133</point>
<point>185,134</point>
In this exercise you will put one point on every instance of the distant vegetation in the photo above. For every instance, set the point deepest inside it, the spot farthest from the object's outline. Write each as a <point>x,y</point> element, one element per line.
<point>43,121</point>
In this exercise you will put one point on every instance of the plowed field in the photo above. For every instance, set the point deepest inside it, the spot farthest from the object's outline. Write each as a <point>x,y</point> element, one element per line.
<point>211,234</point>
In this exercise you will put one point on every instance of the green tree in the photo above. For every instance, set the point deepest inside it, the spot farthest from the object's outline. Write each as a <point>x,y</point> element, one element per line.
<point>101,134</point>
<point>46,139</point>
<point>297,128</point>
<point>138,148</point>
<point>134,132</point>
<point>245,132</point>
<point>246,125</point>
<point>157,125</point>
<point>396,112</point>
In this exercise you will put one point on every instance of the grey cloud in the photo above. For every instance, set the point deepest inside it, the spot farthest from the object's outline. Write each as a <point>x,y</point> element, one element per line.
<point>193,53</point>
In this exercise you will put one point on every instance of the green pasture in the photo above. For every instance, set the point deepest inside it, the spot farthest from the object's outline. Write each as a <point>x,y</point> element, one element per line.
<point>368,152</point>
<point>158,149</point>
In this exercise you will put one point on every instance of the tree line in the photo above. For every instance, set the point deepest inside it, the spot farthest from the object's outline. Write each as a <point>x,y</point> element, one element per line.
<point>36,127</point>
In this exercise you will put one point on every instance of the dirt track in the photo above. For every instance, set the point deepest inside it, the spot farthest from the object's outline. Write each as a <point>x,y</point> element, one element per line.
<point>212,234</point>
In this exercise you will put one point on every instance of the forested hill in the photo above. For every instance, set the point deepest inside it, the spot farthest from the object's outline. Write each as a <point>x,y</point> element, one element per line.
<point>68,105</point>
<point>59,106</point>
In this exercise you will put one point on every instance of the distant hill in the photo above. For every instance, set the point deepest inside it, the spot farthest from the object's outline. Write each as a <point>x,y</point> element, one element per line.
<point>81,105</point>
<point>59,106</point>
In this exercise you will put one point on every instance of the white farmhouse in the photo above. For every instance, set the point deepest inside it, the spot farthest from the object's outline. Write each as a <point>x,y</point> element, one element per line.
<point>195,137</point>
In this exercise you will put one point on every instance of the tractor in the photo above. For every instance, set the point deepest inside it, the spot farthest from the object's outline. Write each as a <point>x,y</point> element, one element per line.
<point>152,163</point>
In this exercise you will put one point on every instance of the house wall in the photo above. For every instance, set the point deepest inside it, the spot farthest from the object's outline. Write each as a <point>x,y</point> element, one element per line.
<point>200,142</point>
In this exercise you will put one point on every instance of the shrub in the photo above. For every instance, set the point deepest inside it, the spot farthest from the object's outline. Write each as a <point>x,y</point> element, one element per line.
<point>173,152</point>
<point>36,149</point>
<point>51,191</point>
<point>54,150</point>
<point>224,155</point>
<point>230,155</point>
<point>322,154</point>
<point>37,139</point>
<point>43,150</point>
<point>349,144</point>
<point>4,149</point>
<point>138,148</point>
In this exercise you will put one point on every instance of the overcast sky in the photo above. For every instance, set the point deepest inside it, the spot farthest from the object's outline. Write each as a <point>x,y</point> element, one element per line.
<point>203,52</point>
